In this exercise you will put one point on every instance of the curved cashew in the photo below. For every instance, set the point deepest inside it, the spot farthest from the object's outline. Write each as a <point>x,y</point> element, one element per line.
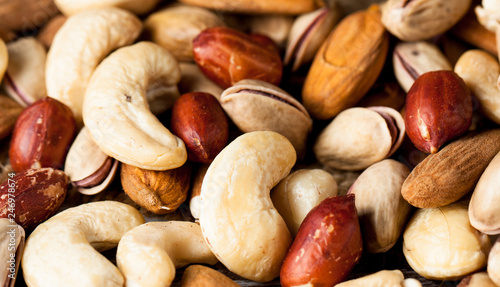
<point>117,114</point>
<point>78,47</point>
<point>237,218</point>
<point>71,7</point>
<point>60,252</point>
<point>4,59</point>
<point>149,254</point>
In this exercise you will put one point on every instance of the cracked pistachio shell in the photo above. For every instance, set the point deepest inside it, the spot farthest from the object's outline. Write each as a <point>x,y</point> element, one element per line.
<point>484,210</point>
<point>382,211</point>
<point>360,137</point>
<point>255,105</point>
<point>480,72</point>
<point>12,237</point>
<point>410,60</point>
<point>25,76</point>
<point>439,243</point>
<point>308,33</point>
<point>89,169</point>
<point>174,28</point>
<point>421,19</point>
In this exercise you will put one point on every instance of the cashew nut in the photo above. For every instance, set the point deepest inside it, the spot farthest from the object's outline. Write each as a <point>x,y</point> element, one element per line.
<point>78,47</point>
<point>60,252</point>
<point>4,59</point>
<point>237,217</point>
<point>116,111</point>
<point>149,254</point>
<point>70,7</point>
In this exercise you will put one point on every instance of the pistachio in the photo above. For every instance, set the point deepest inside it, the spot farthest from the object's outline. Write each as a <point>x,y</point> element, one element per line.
<point>174,28</point>
<point>416,20</point>
<point>275,26</point>
<point>193,79</point>
<point>410,60</point>
<point>360,137</point>
<point>25,76</point>
<point>249,103</point>
<point>89,169</point>
<point>439,243</point>
<point>12,238</point>
<point>308,33</point>
<point>494,263</point>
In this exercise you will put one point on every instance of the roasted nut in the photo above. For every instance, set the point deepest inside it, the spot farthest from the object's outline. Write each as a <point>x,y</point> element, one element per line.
<point>174,28</point>
<point>484,211</point>
<point>430,123</point>
<point>9,112</point>
<point>42,135</point>
<point>360,137</point>
<point>393,278</point>
<point>346,65</point>
<point>446,176</point>
<point>199,275</point>
<point>480,71</point>
<point>199,120</point>
<point>71,7</point>
<point>193,80</point>
<point>34,195</point>
<point>48,32</point>
<point>25,76</point>
<point>88,168</point>
<point>327,247</point>
<point>227,56</point>
<point>128,131</point>
<point>71,60</point>
<point>307,34</point>
<point>411,60</point>
<point>421,19</point>
<point>382,211</point>
<point>259,6</point>
<point>70,242</point>
<point>249,103</point>
<point>494,263</point>
<point>275,26</point>
<point>149,254</point>
<point>236,185</point>
<point>439,243</point>
<point>300,192</point>
<point>24,16</point>
<point>479,279</point>
<point>159,192</point>
<point>12,238</point>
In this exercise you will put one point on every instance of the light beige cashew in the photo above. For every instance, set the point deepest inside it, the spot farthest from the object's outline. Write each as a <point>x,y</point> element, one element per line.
<point>71,7</point>
<point>117,114</point>
<point>392,278</point>
<point>4,58</point>
<point>60,252</point>
<point>237,217</point>
<point>149,254</point>
<point>78,47</point>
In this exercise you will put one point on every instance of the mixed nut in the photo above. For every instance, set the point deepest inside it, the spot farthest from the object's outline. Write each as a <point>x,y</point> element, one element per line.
<point>278,141</point>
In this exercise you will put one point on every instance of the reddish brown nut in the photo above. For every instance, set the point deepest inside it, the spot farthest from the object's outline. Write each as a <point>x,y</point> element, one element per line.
<point>227,56</point>
<point>32,196</point>
<point>42,136</point>
<point>199,120</point>
<point>327,246</point>
<point>438,109</point>
<point>49,30</point>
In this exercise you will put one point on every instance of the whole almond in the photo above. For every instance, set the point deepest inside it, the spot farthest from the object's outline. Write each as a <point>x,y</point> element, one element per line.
<point>446,176</point>
<point>42,135</point>
<point>199,120</point>
<point>227,56</point>
<point>33,195</point>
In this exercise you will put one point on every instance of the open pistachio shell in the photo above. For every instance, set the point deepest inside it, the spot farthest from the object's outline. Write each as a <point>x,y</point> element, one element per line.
<point>308,33</point>
<point>12,238</point>
<point>89,169</point>
<point>255,105</point>
<point>360,137</point>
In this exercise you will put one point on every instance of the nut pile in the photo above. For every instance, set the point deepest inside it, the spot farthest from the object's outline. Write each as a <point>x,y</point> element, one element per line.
<point>259,142</point>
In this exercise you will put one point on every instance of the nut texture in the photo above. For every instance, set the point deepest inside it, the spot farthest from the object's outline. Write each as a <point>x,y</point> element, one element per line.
<point>327,247</point>
<point>199,120</point>
<point>445,177</point>
<point>438,109</point>
<point>12,238</point>
<point>48,31</point>
<point>42,136</point>
<point>227,56</point>
<point>479,279</point>
<point>37,194</point>
<point>439,243</point>
<point>160,192</point>
<point>9,112</point>
<point>199,275</point>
